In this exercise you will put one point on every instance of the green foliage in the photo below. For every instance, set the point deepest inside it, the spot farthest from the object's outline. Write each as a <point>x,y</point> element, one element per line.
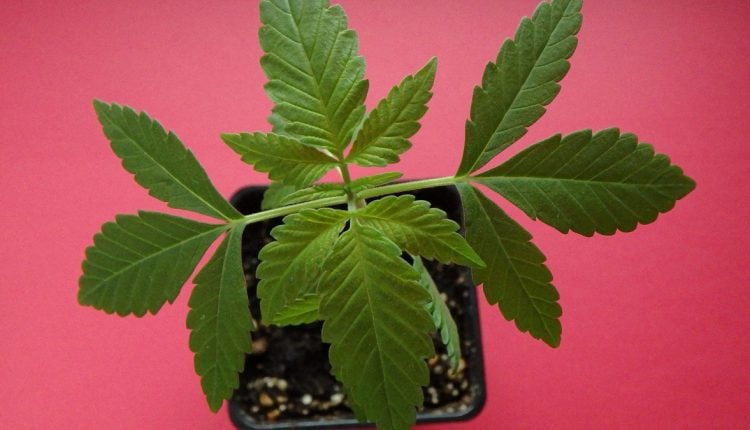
<point>291,265</point>
<point>376,322</point>
<point>284,159</point>
<point>138,263</point>
<point>600,183</point>
<point>386,131</point>
<point>367,182</point>
<point>515,277</point>
<point>419,229</point>
<point>441,315</point>
<point>315,192</point>
<point>160,162</point>
<point>347,266</point>
<point>275,195</point>
<point>522,80</point>
<point>314,72</point>
<point>321,191</point>
<point>219,321</point>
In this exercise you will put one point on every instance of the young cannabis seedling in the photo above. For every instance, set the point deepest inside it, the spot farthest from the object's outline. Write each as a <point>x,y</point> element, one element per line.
<point>345,266</point>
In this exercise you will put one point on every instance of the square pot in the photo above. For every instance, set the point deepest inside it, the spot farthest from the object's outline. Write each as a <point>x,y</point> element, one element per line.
<point>287,383</point>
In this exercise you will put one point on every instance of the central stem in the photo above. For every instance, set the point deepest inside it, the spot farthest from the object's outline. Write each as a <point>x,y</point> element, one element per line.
<point>352,201</point>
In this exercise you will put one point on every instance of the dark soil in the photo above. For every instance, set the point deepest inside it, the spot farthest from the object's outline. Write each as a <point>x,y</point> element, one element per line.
<point>287,377</point>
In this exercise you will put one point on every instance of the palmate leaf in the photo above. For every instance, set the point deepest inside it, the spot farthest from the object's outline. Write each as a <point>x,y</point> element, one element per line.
<point>590,184</point>
<point>138,263</point>
<point>315,75</point>
<point>522,81</point>
<point>291,265</point>
<point>419,229</point>
<point>441,315</point>
<point>160,162</point>
<point>284,159</point>
<point>515,277</point>
<point>219,321</point>
<point>386,131</point>
<point>376,322</point>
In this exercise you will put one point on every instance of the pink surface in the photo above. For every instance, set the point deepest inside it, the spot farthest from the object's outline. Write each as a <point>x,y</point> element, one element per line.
<point>655,323</point>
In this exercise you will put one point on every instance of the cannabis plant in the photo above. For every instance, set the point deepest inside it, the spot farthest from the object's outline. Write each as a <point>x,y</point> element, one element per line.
<point>349,253</point>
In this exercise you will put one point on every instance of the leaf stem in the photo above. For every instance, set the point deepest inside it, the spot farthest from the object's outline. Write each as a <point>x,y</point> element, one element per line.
<point>351,198</point>
<point>287,210</point>
<point>355,200</point>
<point>402,187</point>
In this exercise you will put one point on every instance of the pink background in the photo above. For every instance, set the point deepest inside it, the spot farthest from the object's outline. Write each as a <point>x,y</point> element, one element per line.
<point>655,324</point>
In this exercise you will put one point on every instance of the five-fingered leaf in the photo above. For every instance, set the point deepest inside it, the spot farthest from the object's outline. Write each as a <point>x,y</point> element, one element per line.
<point>160,162</point>
<point>138,263</point>
<point>376,322</point>
<point>283,158</point>
<point>419,229</point>
<point>521,82</point>
<point>219,321</point>
<point>315,75</point>
<point>600,183</point>
<point>515,277</point>
<point>291,265</point>
<point>441,315</point>
<point>386,131</point>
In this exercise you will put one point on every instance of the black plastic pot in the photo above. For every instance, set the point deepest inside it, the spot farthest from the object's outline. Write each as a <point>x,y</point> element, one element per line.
<point>289,365</point>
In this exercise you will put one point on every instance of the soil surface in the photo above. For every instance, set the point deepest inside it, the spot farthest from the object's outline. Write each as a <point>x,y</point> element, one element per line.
<point>287,375</point>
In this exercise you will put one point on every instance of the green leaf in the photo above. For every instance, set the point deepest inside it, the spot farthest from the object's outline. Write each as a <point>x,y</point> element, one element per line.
<point>160,162</point>
<point>515,277</point>
<point>283,158</point>
<point>376,322</point>
<point>138,263</point>
<point>219,320</point>
<point>315,75</point>
<point>315,192</point>
<point>291,265</point>
<point>601,183</point>
<point>372,181</point>
<point>321,191</point>
<point>275,195</point>
<point>419,229</point>
<point>386,131</point>
<point>521,82</point>
<point>441,315</point>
